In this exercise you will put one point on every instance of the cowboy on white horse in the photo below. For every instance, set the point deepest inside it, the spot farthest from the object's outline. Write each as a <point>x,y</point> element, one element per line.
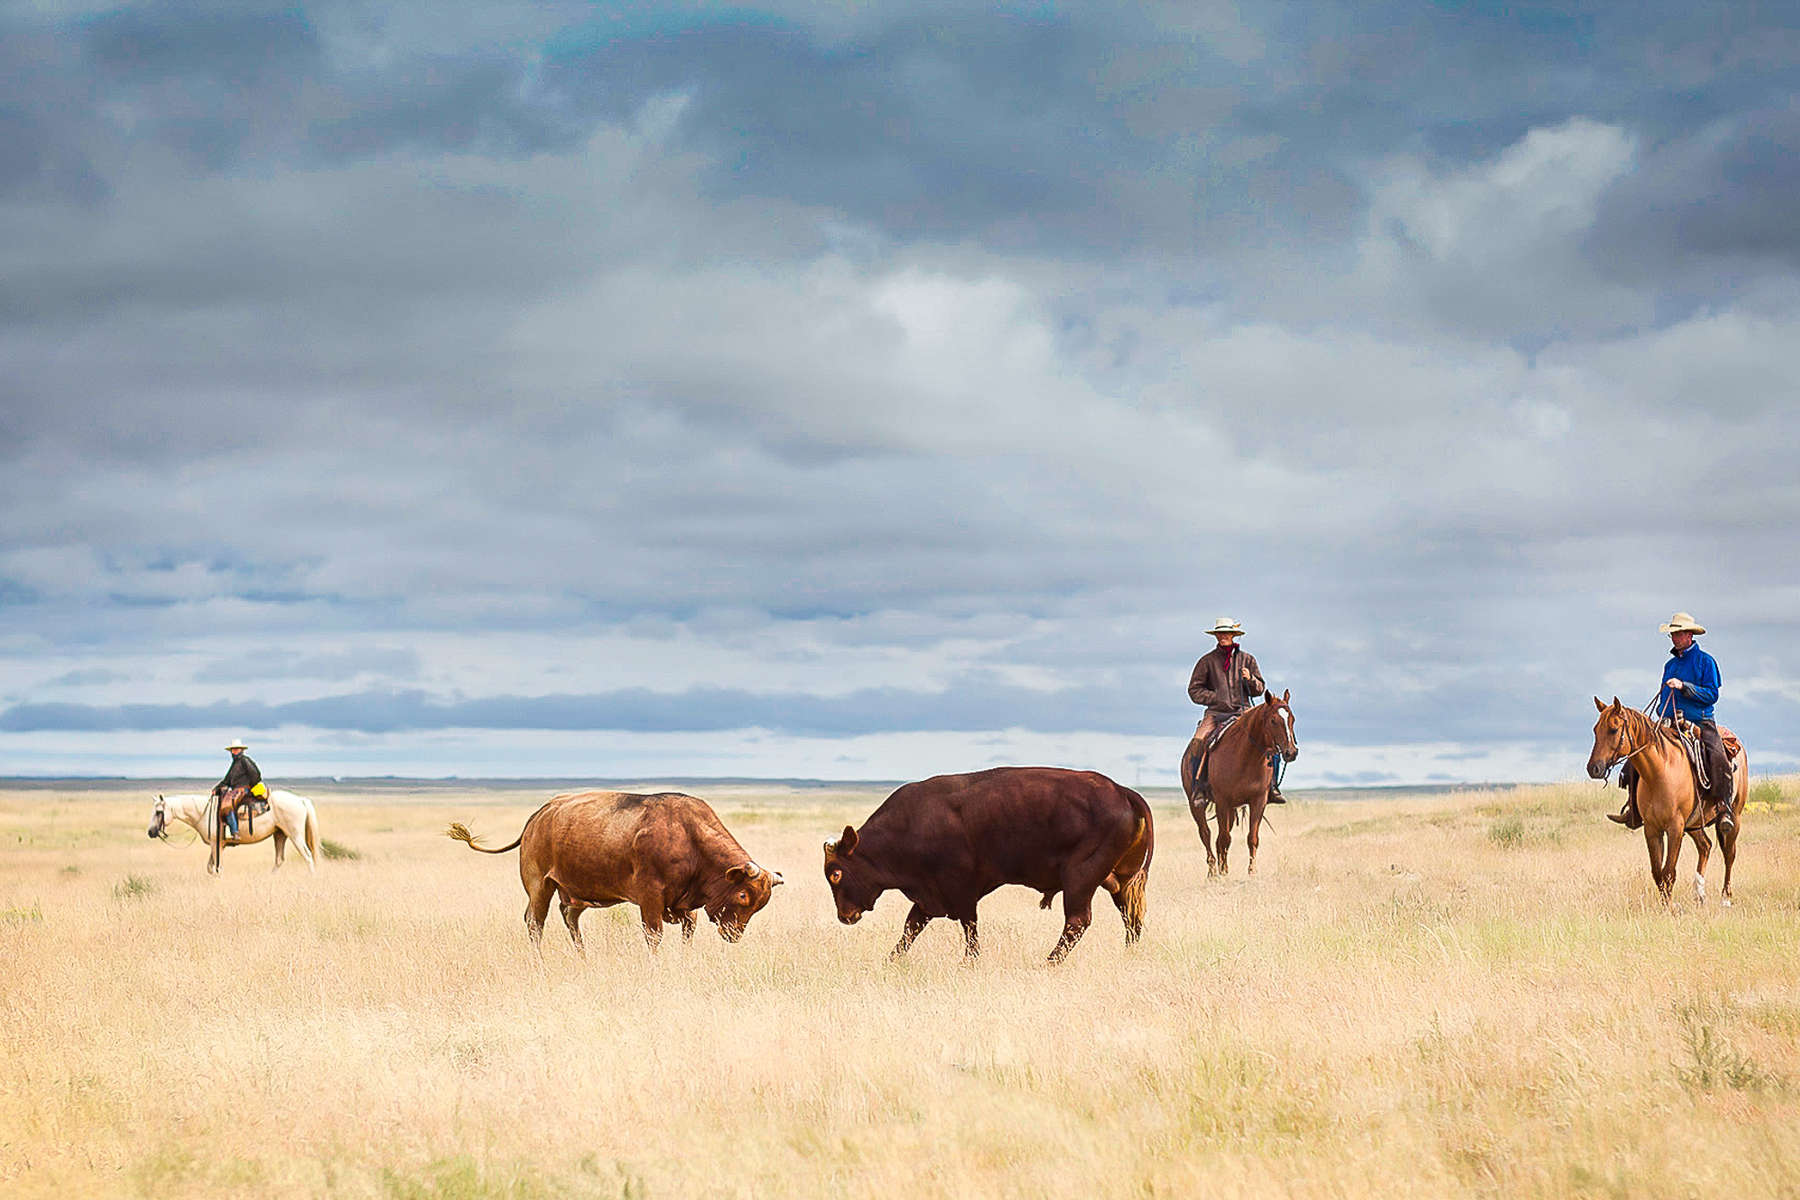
<point>243,783</point>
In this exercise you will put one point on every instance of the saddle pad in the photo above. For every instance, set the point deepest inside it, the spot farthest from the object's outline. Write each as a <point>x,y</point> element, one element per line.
<point>1219,731</point>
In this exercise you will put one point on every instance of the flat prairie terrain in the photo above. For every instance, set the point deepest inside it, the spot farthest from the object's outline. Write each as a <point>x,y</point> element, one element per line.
<point>1470,993</point>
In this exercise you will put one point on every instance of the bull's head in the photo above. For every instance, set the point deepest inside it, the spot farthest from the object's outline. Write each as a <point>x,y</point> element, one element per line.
<point>747,888</point>
<point>853,886</point>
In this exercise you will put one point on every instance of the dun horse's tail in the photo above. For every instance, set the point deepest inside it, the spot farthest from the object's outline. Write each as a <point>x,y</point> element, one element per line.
<point>1132,895</point>
<point>461,833</point>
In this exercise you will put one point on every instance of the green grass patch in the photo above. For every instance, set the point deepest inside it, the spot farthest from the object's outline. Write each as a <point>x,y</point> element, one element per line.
<point>1766,791</point>
<point>20,915</point>
<point>337,851</point>
<point>133,887</point>
<point>1508,832</point>
<point>1715,1063</point>
<point>461,1178</point>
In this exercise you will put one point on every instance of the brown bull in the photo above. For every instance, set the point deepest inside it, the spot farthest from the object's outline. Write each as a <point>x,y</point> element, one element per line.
<point>669,854</point>
<point>946,842</point>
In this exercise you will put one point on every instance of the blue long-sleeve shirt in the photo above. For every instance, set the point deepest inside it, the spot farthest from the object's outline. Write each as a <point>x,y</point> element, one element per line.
<point>1697,670</point>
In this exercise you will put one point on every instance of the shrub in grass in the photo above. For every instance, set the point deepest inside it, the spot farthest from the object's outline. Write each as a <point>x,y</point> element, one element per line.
<point>337,851</point>
<point>133,887</point>
<point>20,915</point>
<point>1508,832</point>
<point>1765,791</point>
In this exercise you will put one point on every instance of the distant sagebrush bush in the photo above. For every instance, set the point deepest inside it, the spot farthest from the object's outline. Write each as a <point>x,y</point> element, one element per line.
<point>133,887</point>
<point>337,851</point>
<point>1507,831</point>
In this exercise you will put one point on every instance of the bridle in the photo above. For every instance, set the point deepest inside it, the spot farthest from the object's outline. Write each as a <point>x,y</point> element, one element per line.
<point>1655,736</point>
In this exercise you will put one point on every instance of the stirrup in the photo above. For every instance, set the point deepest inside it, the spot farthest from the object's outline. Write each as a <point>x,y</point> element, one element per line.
<point>1275,796</point>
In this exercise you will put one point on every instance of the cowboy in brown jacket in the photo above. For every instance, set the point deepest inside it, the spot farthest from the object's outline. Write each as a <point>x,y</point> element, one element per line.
<point>1227,681</point>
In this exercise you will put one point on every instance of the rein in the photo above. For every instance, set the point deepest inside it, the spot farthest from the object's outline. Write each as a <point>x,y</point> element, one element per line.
<point>1656,734</point>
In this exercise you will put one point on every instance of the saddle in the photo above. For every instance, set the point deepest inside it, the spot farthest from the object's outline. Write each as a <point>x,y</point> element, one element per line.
<point>1696,756</point>
<point>250,802</point>
<point>1218,732</point>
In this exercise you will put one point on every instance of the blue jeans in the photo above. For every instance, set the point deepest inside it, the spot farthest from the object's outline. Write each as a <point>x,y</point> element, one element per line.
<point>231,821</point>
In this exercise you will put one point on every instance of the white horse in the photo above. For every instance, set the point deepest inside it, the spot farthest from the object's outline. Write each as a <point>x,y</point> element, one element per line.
<point>290,816</point>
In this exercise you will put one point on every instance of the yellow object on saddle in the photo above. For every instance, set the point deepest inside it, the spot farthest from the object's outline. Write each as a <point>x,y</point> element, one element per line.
<point>259,791</point>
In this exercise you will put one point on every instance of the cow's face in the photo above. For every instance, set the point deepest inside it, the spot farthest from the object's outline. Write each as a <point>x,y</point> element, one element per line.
<point>853,886</point>
<point>748,888</point>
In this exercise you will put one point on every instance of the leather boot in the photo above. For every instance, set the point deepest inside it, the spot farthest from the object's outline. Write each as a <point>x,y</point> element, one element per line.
<point>1275,796</point>
<point>1628,815</point>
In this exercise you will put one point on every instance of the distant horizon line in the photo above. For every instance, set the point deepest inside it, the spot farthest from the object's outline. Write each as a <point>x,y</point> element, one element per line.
<point>680,780</point>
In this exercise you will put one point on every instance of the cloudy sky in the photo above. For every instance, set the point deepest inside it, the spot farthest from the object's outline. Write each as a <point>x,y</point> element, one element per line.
<point>891,388</point>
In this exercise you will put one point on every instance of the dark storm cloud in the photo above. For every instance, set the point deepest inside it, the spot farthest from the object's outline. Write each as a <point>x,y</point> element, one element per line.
<point>980,350</point>
<point>1723,192</point>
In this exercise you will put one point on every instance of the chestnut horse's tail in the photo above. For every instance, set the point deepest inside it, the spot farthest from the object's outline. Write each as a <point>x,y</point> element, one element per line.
<point>1136,860</point>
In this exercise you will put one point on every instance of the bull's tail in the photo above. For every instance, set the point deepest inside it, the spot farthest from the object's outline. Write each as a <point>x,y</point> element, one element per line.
<point>1134,867</point>
<point>461,833</point>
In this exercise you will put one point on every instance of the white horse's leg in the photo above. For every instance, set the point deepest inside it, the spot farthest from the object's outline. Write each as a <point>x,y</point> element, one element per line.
<point>1699,887</point>
<point>280,848</point>
<point>299,836</point>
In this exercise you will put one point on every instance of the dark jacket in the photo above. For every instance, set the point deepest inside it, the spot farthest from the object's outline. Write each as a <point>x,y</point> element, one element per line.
<point>1222,689</point>
<point>243,773</point>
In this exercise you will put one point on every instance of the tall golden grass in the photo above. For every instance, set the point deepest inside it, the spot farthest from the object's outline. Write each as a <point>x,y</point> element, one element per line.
<point>1474,993</point>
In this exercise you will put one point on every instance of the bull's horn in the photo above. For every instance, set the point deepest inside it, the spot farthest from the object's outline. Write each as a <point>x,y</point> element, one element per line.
<point>778,879</point>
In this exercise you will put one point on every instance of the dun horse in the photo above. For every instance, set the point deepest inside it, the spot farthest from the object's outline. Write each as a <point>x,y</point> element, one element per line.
<point>1239,774</point>
<point>1666,797</point>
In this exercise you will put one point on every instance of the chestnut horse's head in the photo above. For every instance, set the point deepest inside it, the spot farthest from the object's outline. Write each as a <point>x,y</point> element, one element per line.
<point>1280,718</point>
<point>1612,738</point>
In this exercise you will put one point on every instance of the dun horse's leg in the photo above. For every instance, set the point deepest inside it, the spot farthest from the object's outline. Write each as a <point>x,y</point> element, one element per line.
<point>916,920</point>
<point>1703,847</point>
<point>1673,838</point>
<point>1728,847</point>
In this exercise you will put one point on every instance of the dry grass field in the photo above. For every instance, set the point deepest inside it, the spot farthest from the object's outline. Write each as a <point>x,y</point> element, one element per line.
<point>1470,993</point>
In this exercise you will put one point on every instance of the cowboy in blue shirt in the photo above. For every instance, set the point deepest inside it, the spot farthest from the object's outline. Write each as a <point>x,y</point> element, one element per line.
<point>1690,687</point>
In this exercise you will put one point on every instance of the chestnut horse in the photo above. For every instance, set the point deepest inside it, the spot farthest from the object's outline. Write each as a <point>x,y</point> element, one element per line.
<point>1666,797</point>
<point>1239,774</point>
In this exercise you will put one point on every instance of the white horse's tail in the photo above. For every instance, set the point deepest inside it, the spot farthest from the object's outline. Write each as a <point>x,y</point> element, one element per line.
<point>312,831</point>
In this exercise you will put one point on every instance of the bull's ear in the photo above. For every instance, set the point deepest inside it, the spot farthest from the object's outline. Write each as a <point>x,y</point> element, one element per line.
<point>738,874</point>
<point>847,843</point>
<point>1598,707</point>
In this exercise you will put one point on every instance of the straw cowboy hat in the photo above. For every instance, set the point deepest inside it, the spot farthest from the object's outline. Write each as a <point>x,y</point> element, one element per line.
<point>1681,623</point>
<point>1226,625</point>
<point>237,744</point>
